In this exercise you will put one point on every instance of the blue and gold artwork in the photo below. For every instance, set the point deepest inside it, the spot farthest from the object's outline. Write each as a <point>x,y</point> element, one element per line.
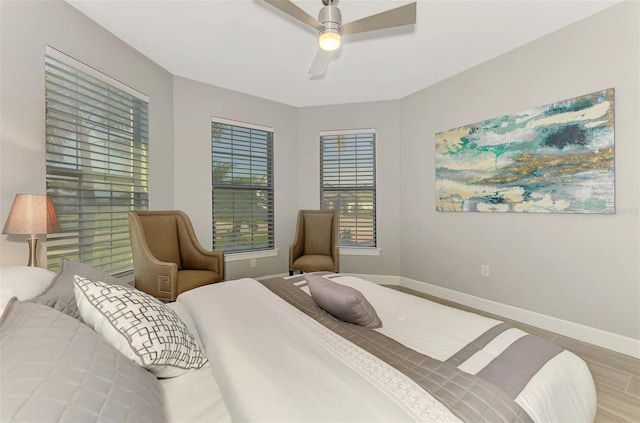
<point>557,158</point>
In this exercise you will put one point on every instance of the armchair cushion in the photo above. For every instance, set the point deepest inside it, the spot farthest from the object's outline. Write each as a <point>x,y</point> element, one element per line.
<point>189,279</point>
<point>314,263</point>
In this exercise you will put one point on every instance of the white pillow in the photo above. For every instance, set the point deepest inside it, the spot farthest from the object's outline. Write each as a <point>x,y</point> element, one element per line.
<point>5,296</point>
<point>24,282</point>
<point>139,326</point>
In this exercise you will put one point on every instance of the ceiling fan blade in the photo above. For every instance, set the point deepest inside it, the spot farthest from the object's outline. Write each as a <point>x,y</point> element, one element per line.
<point>400,16</point>
<point>294,11</point>
<point>320,62</point>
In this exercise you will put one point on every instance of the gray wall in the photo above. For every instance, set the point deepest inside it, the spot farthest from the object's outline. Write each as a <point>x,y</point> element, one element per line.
<point>576,267</point>
<point>581,268</point>
<point>195,104</point>
<point>26,27</point>
<point>384,117</point>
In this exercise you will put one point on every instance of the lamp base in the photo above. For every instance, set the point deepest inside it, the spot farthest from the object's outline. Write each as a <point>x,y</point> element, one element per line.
<point>33,246</point>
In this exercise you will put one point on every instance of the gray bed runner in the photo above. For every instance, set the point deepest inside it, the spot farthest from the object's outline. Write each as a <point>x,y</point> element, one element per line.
<point>469,397</point>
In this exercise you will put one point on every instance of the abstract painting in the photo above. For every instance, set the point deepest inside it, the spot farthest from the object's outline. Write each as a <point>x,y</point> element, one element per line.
<point>557,158</point>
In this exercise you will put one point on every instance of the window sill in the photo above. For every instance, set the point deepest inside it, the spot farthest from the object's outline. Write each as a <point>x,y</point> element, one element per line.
<point>251,255</point>
<point>344,251</point>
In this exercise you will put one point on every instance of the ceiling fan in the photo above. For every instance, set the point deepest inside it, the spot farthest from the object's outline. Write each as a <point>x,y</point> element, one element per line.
<point>330,28</point>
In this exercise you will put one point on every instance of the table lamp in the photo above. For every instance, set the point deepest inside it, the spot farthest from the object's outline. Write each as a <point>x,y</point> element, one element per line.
<point>31,214</point>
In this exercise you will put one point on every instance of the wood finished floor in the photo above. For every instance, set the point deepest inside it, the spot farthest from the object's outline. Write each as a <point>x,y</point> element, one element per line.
<point>616,376</point>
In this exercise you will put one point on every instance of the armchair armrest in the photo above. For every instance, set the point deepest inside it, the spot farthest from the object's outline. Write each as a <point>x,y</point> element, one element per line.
<point>203,259</point>
<point>193,254</point>
<point>295,251</point>
<point>157,278</point>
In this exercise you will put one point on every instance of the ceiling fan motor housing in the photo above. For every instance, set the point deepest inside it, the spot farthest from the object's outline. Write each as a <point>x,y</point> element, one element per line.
<point>331,18</point>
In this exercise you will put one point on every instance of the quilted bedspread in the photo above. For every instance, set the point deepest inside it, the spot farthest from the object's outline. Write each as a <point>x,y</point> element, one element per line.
<point>53,368</point>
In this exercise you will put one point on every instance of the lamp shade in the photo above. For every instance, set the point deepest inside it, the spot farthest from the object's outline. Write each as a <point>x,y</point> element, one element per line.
<point>31,214</point>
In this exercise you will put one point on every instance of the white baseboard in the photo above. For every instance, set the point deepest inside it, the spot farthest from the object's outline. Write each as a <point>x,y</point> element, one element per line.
<point>599,337</point>
<point>279,275</point>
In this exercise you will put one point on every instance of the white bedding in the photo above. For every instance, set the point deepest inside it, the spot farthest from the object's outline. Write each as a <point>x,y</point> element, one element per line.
<point>194,397</point>
<point>251,336</point>
<point>249,332</point>
<point>440,331</point>
<point>22,282</point>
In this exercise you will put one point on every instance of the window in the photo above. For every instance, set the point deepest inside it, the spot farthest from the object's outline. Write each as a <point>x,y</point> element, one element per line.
<point>242,197</point>
<point>97,149</point>
<point>348,183</point>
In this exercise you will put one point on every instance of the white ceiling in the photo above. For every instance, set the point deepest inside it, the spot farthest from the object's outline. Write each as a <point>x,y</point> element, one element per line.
<point>250,47</point>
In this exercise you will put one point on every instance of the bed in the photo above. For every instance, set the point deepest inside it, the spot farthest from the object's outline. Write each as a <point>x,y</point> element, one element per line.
<point>266,351</point>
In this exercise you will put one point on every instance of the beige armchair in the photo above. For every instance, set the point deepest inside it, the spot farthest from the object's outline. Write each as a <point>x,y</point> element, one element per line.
<point>315,246</point>
<point>167,257</point>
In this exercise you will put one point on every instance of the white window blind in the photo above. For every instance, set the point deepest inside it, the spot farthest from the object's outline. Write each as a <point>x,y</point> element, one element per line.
<point>97,150</point>
<point>348,184</point>
<point>242,194</point>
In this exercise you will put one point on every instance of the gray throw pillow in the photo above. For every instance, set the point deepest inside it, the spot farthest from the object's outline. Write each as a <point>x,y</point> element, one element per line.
<point>60,294</point>
<point>342,301</point>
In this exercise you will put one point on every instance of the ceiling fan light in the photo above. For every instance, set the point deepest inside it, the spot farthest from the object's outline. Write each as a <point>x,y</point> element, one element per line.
<point>329,40</point>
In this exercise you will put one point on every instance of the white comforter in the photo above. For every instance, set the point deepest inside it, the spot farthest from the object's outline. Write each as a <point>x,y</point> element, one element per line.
<point>272,362</point>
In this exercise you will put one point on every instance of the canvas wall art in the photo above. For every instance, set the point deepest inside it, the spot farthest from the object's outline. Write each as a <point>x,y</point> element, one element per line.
<point>557,158</point>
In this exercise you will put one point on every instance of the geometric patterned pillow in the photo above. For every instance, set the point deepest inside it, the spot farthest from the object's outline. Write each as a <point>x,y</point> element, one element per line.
<point>139,326</point>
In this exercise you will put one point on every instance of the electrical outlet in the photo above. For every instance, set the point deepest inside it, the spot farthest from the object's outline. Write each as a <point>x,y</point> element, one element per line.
<point>484,270</point>
<point>253,263</point>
